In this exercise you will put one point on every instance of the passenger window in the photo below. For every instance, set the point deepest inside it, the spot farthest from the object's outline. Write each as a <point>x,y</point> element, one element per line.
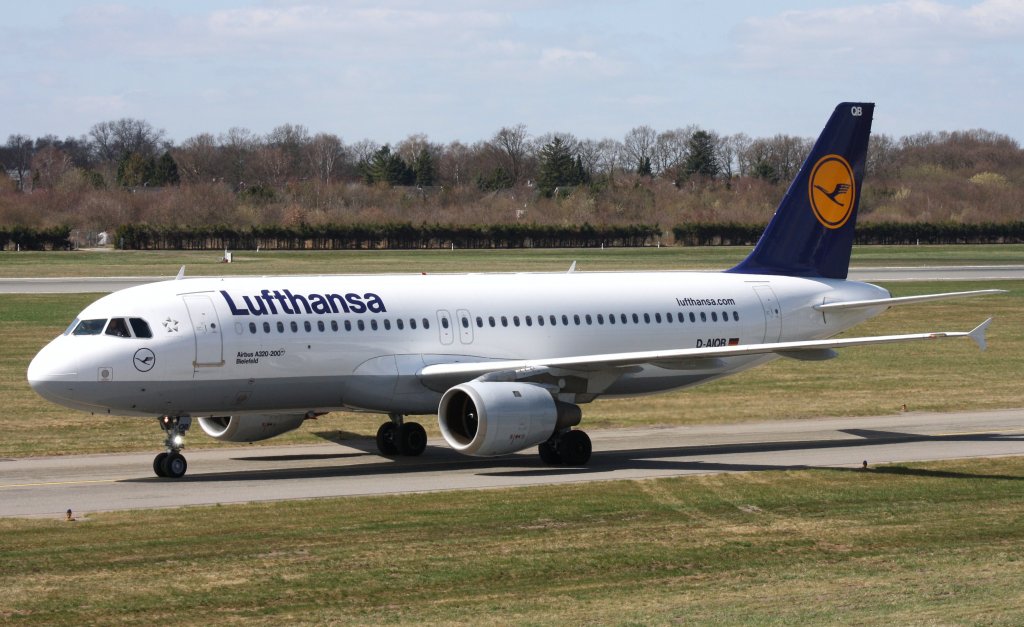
<point>703,317</point>
<point>465,322</point>
<point>387,325</point>
<point>479,322</point>
<point>266,327</point>
<point>576,319</point>
<point>515,320</point>
<point>588,319</point>
<point>622,318</point>
<point>412,323</point>
<point>490,320</point>
<point>693,318</point>
<point>540,321</point>
<point>736,316</point>
<point>444,322</point>
<point>252,328</point>
<point>348,325</point>
<point>504,321</point>
<point>280,327</point>
<point>400,323</point>
<point>334,325</point>
<point>647,318</point>
<point>118,328</point>
<point>636,319</point>
<point>657,318</point>
<point>295,326</point>
<point>307,326</point>
<point>611,319</point>
<point>320,326</point>
<point>141,328</point>
<point>426,323</point>
<point>714,316</point>
<point>529,321</point>
<point>565,320</point>
<point>373,324</point>
<point>553,320</point>
<point>360,325</point>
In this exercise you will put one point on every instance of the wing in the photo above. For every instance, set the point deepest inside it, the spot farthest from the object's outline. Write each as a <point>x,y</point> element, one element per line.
<point>903,300</point>
<point>447,374</point>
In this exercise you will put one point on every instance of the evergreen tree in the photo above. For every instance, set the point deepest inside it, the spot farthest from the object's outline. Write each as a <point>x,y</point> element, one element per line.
<point>134,170</point>
<point>424,168</point>
<point>701,160</point>
<point>557,167</point>
<point>166,171</point>
<point>386,167</point>
<point>644,168</point>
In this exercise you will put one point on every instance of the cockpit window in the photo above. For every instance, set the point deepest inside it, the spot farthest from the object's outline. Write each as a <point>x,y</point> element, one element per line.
<point>140,327</point>
<point>118,328</point>
<point>90,327</point>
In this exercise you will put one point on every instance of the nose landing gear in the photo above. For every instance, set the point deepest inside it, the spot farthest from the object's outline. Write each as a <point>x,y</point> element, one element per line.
<point>171,463</point>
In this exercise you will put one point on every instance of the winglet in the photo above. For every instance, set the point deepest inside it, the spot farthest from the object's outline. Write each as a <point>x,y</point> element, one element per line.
<point>572,268</point>
<point>978,334</point>
<point>181,274</point>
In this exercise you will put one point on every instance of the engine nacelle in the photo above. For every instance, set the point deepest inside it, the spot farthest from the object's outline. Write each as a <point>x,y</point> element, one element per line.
<point>250,428</point>
<point>487,418</point>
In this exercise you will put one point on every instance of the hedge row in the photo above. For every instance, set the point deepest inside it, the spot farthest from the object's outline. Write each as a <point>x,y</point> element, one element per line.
<point>869,233</point>
<point>382,236</point>
<point>24,238</point>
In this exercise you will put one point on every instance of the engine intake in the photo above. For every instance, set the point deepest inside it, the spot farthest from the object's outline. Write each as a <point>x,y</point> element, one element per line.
<point>250,427</point>
<point>485,418</point>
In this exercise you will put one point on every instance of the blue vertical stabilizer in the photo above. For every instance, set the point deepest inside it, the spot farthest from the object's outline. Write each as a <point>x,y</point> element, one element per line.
<point>811,233</point>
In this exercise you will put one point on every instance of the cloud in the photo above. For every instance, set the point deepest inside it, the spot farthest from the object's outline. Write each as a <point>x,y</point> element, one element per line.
<point>912,31</point>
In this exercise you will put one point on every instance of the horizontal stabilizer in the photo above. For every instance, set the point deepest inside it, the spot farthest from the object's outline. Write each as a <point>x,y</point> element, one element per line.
<point>902,300</point>
<point>978,334</point>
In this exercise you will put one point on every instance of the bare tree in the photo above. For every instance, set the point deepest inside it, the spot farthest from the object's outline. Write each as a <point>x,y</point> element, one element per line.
<point>238,146</point>
<point>198,159</point>
<point>113,140</point>
<point>512,142</point>
<point>49,165</point>
<point>639,146</point>
<point>325,154</point>
<point>670,149</point>
<point>729,150</point>
<point>291,140</point>
<point>16,158</point>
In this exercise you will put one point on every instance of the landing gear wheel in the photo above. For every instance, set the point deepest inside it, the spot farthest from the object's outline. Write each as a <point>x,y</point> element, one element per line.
<point>549,453</point>
<point>174,465</point>
<point>386,439</point>
<point>412,439</point>
<point>158,464</point>
<point>574,448</point>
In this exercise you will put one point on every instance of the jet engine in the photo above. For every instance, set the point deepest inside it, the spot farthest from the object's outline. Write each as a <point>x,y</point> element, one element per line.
<point>488,418</point>
<point>250,427</point>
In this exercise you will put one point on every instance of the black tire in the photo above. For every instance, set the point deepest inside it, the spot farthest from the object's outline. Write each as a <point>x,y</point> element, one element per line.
<point>158,464</point>
<point>412,439</point>
<point>549,454</point>
<point>386,440</point>
<point>574,448</point>
<point>174,465</point>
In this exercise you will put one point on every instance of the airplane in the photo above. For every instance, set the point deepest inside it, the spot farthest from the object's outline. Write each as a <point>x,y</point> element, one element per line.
<point>504,359</point>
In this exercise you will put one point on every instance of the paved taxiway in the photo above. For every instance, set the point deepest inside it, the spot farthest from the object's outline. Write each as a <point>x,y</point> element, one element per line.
<point>84,285</point>
<point>49,486</point>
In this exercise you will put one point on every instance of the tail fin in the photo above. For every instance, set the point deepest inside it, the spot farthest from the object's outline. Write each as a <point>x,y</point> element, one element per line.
<point>811,233</point>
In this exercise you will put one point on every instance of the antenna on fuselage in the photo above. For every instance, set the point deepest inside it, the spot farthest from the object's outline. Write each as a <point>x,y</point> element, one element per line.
<point>181,274</point>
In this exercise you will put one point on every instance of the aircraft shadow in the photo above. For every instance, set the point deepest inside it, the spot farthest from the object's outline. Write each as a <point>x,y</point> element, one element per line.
<point>658,458</point>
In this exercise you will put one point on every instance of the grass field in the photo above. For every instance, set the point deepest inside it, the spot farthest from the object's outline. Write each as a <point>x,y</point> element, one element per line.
<point>936,543</point>
<point>207,263</point>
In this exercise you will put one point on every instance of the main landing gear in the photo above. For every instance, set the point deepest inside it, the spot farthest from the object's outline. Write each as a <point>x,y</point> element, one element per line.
<point>171,463</point>
<point>397,437</point>
<point>569,448</point>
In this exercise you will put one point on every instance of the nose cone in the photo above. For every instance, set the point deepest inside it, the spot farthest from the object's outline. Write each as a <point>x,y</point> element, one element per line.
<point>53,372</point>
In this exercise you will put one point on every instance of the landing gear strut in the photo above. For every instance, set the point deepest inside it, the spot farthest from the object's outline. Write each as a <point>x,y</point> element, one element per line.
<point>570,448</point>
<point>171,463</point>
<point>398,437</point>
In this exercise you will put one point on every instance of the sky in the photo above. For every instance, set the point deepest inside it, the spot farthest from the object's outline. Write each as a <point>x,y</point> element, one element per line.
<point>461,70</point>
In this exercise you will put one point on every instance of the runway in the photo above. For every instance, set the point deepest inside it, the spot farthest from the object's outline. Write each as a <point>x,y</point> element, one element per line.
<point>47,487</point>
<point>86,285</point>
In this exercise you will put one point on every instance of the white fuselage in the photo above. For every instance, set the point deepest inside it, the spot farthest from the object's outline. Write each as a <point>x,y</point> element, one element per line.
<point>239,345</point>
